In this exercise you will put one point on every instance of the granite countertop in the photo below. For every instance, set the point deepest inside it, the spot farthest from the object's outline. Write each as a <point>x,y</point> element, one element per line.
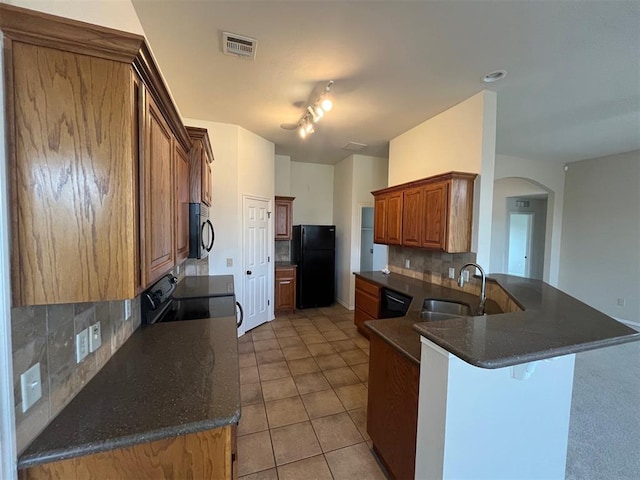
<point>204,286</point>
<point>167,379</point>
<point>552,324</point>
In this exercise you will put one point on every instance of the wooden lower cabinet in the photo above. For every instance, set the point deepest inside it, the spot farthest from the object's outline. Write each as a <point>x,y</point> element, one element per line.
<point>367,304</point>
<point>392,408</point>
<point>208,454</point>
<point>285,291</point>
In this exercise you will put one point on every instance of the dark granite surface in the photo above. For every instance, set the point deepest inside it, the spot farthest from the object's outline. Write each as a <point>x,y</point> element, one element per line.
<point>204,286</point>
<point>552,324</point>
<point>285,264</point>
<point>168,379</point>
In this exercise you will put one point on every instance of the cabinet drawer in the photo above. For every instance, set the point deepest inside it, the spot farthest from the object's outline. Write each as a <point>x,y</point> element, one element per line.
<point>359,318</point>
<point>367,287</point>
<point>285,272</point>
<point>368,304</point>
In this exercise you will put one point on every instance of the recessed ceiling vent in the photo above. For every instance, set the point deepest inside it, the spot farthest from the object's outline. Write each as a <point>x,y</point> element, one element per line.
<point>239,45</point>
<point>354,146</point>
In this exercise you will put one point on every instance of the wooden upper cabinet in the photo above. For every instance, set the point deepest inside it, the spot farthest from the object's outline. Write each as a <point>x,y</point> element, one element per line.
<point>200,176</point>
<point>182,203</point>
<point>283,217</point>
<point>434,208</point>
<point>387,220</point>
<point>412,217</point>
<point>71,176</point>
<point>434,213</point>
<point>159,195</point>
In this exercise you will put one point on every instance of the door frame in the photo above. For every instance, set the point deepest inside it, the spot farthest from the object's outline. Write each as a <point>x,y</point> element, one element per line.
<point>270,249</point>
<point>8,447</point>
<point>532,218</point>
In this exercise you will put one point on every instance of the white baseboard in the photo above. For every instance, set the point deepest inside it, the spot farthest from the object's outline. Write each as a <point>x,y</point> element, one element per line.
<point>345,305</point>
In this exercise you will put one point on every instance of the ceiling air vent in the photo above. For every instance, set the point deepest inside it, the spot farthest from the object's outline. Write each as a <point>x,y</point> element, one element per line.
<point>354,146</point>
<point>239,45</point>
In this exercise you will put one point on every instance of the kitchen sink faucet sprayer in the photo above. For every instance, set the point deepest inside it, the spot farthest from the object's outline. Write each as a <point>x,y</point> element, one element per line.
<point>483,298</point>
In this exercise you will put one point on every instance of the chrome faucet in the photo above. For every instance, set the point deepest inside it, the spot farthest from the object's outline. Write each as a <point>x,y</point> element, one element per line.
<point>483,298</point>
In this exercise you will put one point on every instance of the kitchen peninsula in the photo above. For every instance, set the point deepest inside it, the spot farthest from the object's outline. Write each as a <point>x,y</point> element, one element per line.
<point>484,394</point>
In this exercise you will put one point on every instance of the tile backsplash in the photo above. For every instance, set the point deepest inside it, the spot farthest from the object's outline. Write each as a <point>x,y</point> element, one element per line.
<point>46,334</point>
<point>428,261</point>
<point>283,251</point>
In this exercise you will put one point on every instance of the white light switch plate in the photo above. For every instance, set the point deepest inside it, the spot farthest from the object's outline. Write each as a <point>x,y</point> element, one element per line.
<point>127,309</point>
<point>82,345</point>
<point>452,272</point>
<point>229,262</point>
<point>31,387</point>
<point>95,337</point>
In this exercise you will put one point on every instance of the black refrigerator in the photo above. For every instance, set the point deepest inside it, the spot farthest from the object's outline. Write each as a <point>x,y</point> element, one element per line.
<point>313,249</point>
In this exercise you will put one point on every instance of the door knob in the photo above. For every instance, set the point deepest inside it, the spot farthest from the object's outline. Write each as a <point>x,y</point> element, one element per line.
<point>249,272</point>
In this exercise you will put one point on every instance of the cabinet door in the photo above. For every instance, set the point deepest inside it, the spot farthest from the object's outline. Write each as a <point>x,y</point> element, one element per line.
<point>434,229</point>
<point>283,219</point>
<point>159,195</point>
<point>380,220</point>
<point>182,203</point>
<point>394,219</point>
<point>71,176</point>
<point>285,294</point>
<point>412,217</point>
<point>206,181</point>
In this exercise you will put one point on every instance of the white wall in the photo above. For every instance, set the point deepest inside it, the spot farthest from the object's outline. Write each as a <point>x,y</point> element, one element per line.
<point>550,177</point>
<point>283,175</point>
<point>118,14</point>
<point>600,253</point>
<point>504,188</point>
<point>342,218</point>
<point>312,186</point>
<point>243,165</point>
<point>462,138</point>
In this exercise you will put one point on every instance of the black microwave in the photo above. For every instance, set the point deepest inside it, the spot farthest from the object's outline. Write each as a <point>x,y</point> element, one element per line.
<point>201,234</point>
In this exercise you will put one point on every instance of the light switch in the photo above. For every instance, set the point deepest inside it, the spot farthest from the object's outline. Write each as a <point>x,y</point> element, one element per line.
<point>452,272</point>
<point>95,337</point>
<point>127,309</point>
<point>82,345</point>
<point>31,387</point>
<point>229,262</point>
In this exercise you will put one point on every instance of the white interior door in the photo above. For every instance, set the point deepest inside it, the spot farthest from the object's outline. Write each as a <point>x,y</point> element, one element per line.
<point>256,262</point>
<point>519,257</point>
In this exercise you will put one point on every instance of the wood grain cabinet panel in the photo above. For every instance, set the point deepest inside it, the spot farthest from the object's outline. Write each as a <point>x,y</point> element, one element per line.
<point>182,203</point>
<point>434,213</point>
<point>283,217</point>
<point>209,454</point>
<point>200,173</point>
<point>392,407</point>
<point>159,194</point>
<point>285,291</point>
<point>367,304</point>
<point>72,176</point>
<point>387,220</point>
<point>434,208</point>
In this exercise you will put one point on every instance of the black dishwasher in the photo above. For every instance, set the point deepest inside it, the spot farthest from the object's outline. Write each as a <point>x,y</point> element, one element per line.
<point>393,304</point>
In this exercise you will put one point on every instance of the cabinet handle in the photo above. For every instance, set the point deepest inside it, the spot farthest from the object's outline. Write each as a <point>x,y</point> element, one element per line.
<point>285,283</point>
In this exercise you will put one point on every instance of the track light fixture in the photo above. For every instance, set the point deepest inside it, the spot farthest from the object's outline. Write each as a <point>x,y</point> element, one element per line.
<point>315,112</point>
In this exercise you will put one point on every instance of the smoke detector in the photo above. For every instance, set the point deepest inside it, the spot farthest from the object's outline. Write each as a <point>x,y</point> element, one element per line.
<point>239,45</point>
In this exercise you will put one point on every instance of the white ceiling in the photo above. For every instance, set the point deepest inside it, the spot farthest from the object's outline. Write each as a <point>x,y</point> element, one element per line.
<point>572,91</point>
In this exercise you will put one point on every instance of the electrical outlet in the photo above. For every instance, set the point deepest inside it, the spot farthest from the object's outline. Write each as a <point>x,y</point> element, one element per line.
<point>31,386</point>
<point>452,272</point>
<point>127,309</point>
<point>621,302</point>
<point>95,337</point>
<point>82,345</point>
<point>407,263</point>
<point>466,275</point>
<point>229,262</point>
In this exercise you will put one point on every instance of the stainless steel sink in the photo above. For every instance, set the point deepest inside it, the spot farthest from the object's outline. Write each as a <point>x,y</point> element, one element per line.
<point>433,309</point>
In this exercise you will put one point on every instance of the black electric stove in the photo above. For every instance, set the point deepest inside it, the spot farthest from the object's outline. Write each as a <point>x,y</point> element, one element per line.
<point>190,299</point>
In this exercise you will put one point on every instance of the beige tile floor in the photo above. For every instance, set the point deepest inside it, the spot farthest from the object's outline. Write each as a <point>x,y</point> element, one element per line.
<point>303,385</point>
